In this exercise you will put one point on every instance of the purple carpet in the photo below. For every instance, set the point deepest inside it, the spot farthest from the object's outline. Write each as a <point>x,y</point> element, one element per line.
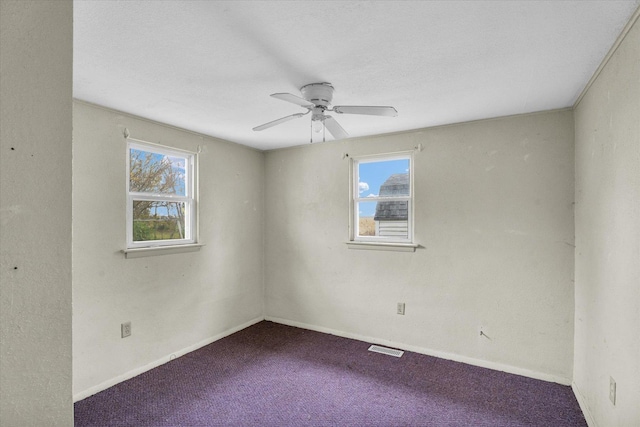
<point>275,375</point>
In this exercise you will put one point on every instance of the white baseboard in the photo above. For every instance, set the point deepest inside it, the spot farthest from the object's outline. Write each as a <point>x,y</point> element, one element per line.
<point>135,372</point>
<point>429,352</point>
<point>591,422</point>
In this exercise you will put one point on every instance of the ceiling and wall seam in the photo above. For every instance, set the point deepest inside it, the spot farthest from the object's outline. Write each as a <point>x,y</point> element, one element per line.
<point>178,128</point>
<point>608,56</point>
<point>213,138</point>
<point>444,126</point>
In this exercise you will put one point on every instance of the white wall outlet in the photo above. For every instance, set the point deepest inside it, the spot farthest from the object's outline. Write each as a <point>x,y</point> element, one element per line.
<point>400,308</point>
<point>125,329</point>
<point>612,390</point>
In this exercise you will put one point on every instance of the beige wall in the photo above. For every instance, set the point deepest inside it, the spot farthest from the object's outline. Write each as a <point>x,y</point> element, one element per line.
<point>494,216</point>
<point>35,213</point>
<point>177,302</point>
<point>607,337</point>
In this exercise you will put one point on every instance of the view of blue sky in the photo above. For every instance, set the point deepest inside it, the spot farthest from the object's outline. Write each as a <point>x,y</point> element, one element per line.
<point>371,175</point>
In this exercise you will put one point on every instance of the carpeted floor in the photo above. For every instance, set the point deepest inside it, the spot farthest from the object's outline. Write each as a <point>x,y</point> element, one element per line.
<point>276,375</point>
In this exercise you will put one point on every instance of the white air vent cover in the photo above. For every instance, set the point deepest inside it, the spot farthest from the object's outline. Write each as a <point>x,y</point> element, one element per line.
<point>385,350</point>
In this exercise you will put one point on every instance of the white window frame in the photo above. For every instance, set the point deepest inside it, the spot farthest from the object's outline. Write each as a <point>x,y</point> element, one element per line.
<point>189,199</point>
<point>355,199</point>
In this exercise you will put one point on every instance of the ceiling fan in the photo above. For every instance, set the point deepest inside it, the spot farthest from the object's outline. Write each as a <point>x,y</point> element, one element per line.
<point>316,98</point>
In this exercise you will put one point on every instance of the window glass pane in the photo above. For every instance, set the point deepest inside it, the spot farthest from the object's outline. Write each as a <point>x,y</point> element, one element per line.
<point>388,219</point>
<point>366,224</point>
<point>158,220</point>
<point>385,178</point>
<point>157,173</point>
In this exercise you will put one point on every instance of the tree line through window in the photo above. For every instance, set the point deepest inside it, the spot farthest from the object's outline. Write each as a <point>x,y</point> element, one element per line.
<point>161,203</point>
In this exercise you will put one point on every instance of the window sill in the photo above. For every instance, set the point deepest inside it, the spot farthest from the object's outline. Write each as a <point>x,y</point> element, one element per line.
<point>161,250</point>
<point>383,246</point>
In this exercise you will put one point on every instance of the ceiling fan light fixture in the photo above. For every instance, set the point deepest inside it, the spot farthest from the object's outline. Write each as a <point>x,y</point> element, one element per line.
<point>317,125</point>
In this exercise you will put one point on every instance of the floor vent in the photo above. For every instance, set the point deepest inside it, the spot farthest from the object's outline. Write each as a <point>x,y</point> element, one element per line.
<point>385,350</point>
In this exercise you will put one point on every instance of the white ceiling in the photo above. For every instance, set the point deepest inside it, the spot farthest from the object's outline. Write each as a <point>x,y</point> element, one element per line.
<point>210,66</point>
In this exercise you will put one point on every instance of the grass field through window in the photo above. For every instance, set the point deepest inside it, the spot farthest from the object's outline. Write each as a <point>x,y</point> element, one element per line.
<point>367,226</point>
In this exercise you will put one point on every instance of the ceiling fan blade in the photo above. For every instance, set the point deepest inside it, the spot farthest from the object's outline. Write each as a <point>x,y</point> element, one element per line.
<point>293,99</point>
<point>278,121</point>
<point>361,109</point>
<point>334,128</point>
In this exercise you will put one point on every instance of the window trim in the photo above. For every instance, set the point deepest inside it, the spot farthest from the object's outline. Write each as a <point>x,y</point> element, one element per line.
<point>190,199</point>
<point>377,242</point>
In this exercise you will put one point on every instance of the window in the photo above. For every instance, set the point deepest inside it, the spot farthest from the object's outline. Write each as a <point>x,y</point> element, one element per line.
<point>161,204</point>
<point>382,199</point>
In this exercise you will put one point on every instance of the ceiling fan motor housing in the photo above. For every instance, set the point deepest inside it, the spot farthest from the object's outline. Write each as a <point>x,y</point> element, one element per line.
<point>320,94</point>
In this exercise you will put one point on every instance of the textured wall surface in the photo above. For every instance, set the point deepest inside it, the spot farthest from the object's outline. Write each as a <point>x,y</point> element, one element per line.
<point>607,337</point>
<point>494,217</point>
<point>175,302</point>
<point>35,213</point>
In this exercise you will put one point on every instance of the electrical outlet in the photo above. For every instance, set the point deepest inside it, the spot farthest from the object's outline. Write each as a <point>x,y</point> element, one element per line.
<point>125,329</point>
<point>400,308</point>
<point>612,390</point>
